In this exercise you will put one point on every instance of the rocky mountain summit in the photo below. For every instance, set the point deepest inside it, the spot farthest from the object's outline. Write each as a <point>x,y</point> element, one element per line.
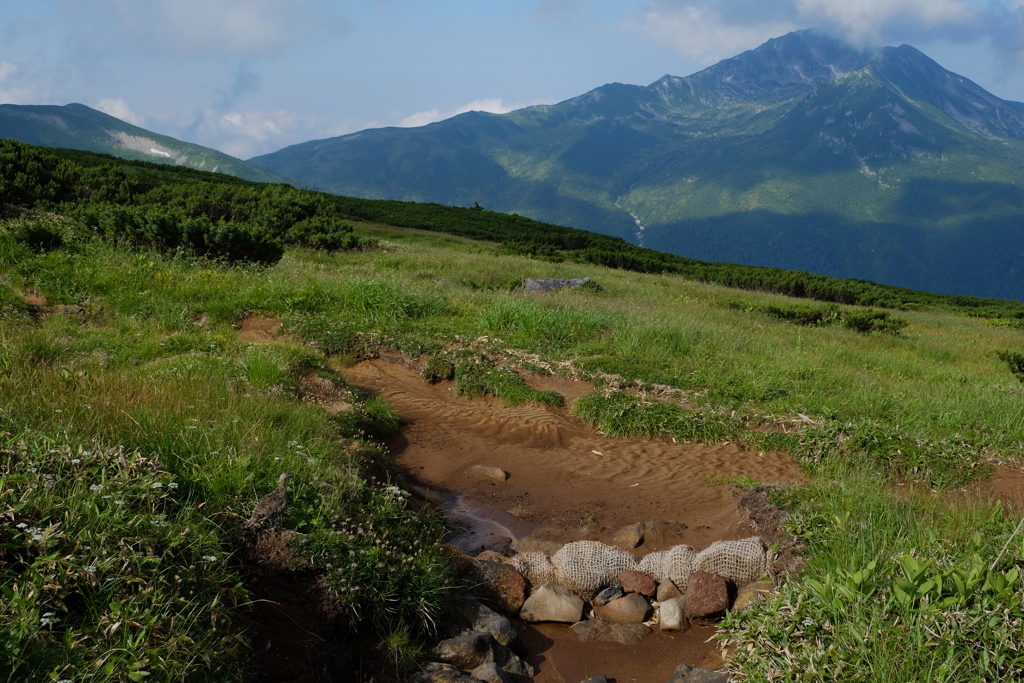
<point>804,153</point>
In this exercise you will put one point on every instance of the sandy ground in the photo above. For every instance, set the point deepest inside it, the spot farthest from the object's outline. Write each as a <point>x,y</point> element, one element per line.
<point>568,482</point>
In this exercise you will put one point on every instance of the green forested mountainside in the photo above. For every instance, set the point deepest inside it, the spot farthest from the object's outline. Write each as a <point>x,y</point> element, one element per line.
<point>170,208</point>
<point>805,153</point>
<point>76,126</point>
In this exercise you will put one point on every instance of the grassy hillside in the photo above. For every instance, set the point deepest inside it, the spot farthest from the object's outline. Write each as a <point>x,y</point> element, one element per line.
<point>137,430</point>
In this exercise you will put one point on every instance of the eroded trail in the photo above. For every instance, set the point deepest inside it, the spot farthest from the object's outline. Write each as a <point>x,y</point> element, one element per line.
<point>568,482</point>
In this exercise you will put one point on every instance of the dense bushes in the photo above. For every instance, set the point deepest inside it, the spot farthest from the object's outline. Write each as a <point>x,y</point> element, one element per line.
<point>229,221</point>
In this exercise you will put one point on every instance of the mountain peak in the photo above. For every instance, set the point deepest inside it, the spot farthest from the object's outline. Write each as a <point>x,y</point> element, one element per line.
<point>778,70</point>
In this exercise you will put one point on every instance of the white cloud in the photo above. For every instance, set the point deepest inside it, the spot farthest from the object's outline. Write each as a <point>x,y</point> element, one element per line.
<point>493,105</point>
<point>199,27</point>
<point>709,30</point>
<point>11,89</point>
<point>865,20</point>
<point>702,31</point>
<point>119,109</point>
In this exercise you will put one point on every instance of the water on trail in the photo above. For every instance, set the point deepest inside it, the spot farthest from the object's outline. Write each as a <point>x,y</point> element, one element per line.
<point>566,482</point>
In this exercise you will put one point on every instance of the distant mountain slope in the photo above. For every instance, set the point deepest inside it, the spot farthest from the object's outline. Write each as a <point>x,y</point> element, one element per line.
<point>77,126</point>
<point>803,153</point>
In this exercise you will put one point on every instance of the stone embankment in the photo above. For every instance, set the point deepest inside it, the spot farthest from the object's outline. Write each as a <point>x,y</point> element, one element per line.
<point>603,592</point>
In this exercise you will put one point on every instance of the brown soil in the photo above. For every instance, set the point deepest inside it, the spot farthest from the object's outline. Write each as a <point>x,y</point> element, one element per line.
<point>567,482</point>
<point>255,328</point>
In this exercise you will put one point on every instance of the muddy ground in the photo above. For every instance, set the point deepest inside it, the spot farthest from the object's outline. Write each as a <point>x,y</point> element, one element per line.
<point>567,482</point>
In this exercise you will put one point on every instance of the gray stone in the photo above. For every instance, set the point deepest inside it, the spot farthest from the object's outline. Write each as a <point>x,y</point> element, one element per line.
<point>604,632</point>
<point>491,673</point>
<point>473,651</point>
<point>552,603</point>
<point>483,619</point>
<point>673,615</point>
<point>608,594</point>
<point>436,672</point>
<point>467,652</point>
<point>686,674</point>
<point>539,285</point>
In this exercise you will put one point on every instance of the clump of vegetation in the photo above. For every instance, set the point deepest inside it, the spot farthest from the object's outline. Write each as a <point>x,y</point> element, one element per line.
<point>475,375</point>
<point>864,321</point>
<point>622,414</point>
<point>438,369</point>
<point>1015,361</point>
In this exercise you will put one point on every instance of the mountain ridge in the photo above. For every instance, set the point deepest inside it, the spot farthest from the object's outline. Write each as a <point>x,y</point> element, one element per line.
<point>77,126</point>
<point>803,130</point>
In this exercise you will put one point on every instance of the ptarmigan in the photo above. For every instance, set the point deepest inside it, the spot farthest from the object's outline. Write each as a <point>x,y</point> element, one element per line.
<point>270,506</point>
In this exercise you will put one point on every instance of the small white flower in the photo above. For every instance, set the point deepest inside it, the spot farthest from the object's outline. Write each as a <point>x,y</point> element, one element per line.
<point>96,487</point>
<point>91,569</point>
<point>173,485</point>
<point>47,619</point>
<point>106,497</point>
<point>75,461</point>
<point>37,537</point>
<point>157,485</point>
<point>209,558</point>
<point>118,502</point>
<point>22,525</point>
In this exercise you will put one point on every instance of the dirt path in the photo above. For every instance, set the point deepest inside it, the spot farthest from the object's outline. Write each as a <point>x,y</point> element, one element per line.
<point>567,482</point>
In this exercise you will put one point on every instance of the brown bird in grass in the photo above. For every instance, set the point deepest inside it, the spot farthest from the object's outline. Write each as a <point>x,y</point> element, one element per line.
<point>270,506</point>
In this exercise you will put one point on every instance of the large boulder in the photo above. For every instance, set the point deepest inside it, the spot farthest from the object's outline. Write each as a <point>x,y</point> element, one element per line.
<point>551,602</point>
<point>437,672</point>
<point>539,285</point>
<point>473,652</point>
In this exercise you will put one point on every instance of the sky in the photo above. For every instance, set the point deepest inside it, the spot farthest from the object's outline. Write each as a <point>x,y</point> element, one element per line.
<point>249,77</point>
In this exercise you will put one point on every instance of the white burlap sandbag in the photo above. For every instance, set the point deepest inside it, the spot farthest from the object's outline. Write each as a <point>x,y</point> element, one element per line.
<point>587,567</point>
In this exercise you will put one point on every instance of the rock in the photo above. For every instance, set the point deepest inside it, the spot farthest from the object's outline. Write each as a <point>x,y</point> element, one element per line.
<point>663,533</point>
<point>489,471</point>
<point>436,672</point>
<point>496,584</point>
<point>629,609</point>
<point>483,619</point>
<point>633,581</point>
<point>667,590</point>
<point>604,632</point>
<point>608,594</point>
<point>672,615</point>
<point>707,596</point>
<point>686,674</point>
<point>751,593</point>
<point>474,651</point>
<point>531,544</point>
<point>467,652</point>
<point>629,537</point>
<point>492,556</point>
<point>539,285</point>
<point>552,603</point>
<point>491,673</point>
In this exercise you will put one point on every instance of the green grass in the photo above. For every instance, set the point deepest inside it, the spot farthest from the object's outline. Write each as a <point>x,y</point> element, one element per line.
<point>900,587</point>
<point>155,384</point>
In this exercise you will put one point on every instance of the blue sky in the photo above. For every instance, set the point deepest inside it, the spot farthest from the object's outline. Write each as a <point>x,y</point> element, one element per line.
<point>251,76</point>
